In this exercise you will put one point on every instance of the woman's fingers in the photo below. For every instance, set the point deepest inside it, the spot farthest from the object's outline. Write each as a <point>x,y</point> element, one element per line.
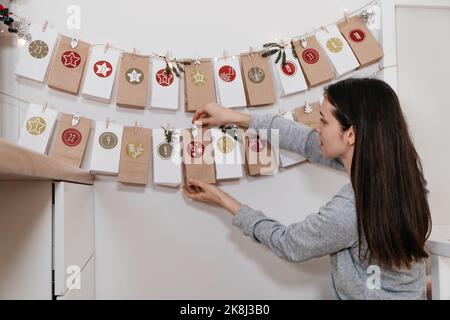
<point>198,114</point>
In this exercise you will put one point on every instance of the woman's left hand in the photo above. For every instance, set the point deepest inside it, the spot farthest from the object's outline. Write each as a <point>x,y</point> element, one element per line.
<point>208,193</point>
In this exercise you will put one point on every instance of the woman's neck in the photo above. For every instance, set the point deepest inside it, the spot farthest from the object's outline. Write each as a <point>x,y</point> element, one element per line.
<point>346,160</point>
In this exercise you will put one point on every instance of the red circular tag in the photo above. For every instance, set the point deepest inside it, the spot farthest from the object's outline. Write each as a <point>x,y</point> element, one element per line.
<point>71,137</point>
<point>310,56</point>
<point>196,149</point>
<point>256,144</point>
<point>103,68</point>
<point>357,35</point>
<point>289,68</point>
<point>163,78</point>
<point>71,59</point>
<point>227,73</point>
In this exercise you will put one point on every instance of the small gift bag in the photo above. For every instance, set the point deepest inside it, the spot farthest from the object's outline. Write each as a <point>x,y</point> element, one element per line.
<point>197,156</point>
<point>199,84</point>
<point>287,157</point>
<point>227,146</point>
<point>165,86</point>
<point>35,56</point>
<point>309,114</point>
<point>68,64</point>
<point>100,73</point>
<point>167,170</point>
<point>316,67</point>
<point>260,156</point>
<point>290,74</point>
<point>337,49</point>
<point>258,82</point>
<point>230,86</point>
<point>133,81</point>
<point>71,137</point>
<point>135,155</point>
<point>38,128</point>
<point>361,40</point>
<point>106,148</point>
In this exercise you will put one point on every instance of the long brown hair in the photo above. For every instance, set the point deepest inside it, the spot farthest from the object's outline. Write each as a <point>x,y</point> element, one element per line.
<point>393,214</point>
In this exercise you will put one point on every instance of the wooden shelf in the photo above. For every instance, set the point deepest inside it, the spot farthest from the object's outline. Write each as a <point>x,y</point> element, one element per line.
<point>17,163</point>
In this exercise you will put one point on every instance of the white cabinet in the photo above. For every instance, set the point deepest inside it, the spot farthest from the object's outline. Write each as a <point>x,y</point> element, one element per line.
<point>46,240</point>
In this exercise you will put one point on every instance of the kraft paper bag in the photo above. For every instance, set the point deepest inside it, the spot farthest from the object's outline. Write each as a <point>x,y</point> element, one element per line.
<point>337,49</point>
<point>165,86</point>
<point>198,156</point>
<point>309,115</point>
<point>100,73</point>
<point>199,84</point>
<point>35,56</point>
<point>106,148</point>
<point>228,157</point>
<point>260,157</point>
<point>291,74</point>
<point>316,67</point>
<point>364,45</point>
<point>69,143</point>
<point>38,128</point>
<point>68,65</point>
<point>229,82</point>
<point>167,169</point>
<point>135,155</point>
<point>258,82</point>
<point>133,81</point>
<point>287,157</point>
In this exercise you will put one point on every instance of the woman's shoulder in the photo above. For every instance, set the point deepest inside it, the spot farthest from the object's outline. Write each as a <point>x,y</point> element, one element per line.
<point>346,193</point>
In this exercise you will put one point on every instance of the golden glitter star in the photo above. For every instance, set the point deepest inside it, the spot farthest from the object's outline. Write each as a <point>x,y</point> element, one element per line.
<point>36,125</point>
<point>198,78</point>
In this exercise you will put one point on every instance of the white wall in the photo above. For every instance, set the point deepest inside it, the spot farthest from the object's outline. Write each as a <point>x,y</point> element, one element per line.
<point>151,242</point>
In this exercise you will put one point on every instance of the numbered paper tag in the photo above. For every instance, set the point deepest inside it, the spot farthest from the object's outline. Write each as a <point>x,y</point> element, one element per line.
<point>69,142</point>
<point>199,84</point>
<point>291,75</point>
<point>135,155</point>
<point>68,65</point>
<point>106,148</point>
<point>167,170</point>
<point>338,50</point>
<point>287,157</point>
<point>35,56</point>
<point>38,128</point>
<point>230,87</point>
<point>227,155</point>
<point>100,73</point>
<point>165,86</point>
<point>361,40</point>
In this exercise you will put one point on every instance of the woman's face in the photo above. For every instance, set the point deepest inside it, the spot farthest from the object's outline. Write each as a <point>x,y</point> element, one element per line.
<point>334,142</point>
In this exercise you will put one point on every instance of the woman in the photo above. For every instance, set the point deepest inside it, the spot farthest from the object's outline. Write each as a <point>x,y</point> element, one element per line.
<point>375,227</point>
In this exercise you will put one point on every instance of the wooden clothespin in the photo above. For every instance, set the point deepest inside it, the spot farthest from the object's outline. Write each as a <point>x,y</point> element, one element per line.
<point>134,53</point>
<point>346,15</point>
<point>324,29</point>
<point>107,123</point>
<point>135,127</point>
<point>44,108</point>
<point>251,51</point>
<point>45,26</point>
<point>225,54</point>
<point>303,41</point>
<point>107,46</point>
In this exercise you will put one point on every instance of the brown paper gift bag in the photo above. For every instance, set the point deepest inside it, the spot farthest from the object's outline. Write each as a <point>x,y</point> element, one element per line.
<point>199,88</point>
<point>135,155</point>
<point>67,65</point>
<point>364,45</point>
<point>198,158</point>
<point>259,156</point>
<point>310,119</point>
<point>133,81</point>
<point>314,62</point>
<point>258,82</point>
<point>70,141</point>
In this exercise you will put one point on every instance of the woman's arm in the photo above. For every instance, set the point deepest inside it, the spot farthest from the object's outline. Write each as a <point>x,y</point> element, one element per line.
<point>295,137</point>
<point>330,230</point>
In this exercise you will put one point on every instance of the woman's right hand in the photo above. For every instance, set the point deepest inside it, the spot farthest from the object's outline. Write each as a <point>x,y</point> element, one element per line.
<point>213,115</point>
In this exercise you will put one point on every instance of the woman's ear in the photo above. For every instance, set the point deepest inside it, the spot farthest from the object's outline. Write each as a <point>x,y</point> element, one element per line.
<point>350,136</point>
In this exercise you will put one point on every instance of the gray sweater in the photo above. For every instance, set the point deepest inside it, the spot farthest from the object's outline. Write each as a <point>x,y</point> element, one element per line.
<point>330,231</point>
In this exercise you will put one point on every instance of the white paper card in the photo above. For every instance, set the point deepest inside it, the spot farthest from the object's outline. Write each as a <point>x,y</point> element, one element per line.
<point>291,74</point>
<point>229,84</point>
<point>164,87</point>
<point>35,56</point>
<point>167,169</point>
<point>228,156</point>
<point>106,148</point>
<point>100,73</point>
<point>37,129</point>
<point>287,157</point>
<point>337,49</point>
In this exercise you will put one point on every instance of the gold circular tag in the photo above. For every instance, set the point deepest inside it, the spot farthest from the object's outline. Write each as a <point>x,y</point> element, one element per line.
<point>38,49</point>
<point>108,140</point>
<point>165,150</point>
<point>225,144</point>
<point>36,125</point>
<point>335,45</point>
